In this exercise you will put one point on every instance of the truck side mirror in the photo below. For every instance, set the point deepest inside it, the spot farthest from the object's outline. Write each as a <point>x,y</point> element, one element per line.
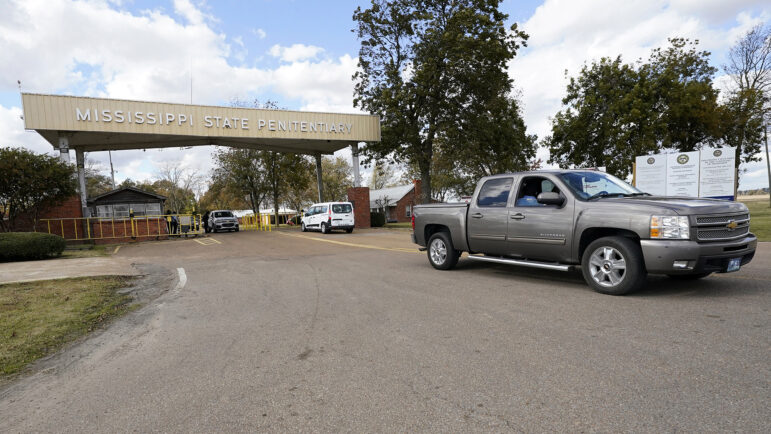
<point>550,198</point>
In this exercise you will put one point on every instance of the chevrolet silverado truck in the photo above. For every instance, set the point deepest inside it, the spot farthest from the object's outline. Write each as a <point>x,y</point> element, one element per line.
<point>563,219</point>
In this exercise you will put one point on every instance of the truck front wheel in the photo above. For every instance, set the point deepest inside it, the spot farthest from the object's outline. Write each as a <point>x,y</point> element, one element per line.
<point>613,265</point>
<point>441,253</point>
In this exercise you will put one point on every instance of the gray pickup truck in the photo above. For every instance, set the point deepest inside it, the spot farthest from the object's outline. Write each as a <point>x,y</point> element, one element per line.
<point>562,219</point>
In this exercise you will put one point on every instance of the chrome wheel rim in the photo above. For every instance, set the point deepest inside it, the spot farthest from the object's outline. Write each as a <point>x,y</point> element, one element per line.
<point>607,266</point>
<point>438,251</point>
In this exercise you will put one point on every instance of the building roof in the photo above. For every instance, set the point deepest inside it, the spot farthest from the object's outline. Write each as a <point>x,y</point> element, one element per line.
<point>123,190</point>
<point>377,198</point>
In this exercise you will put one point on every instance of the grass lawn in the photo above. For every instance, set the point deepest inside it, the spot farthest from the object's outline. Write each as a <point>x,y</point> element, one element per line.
<point>88,252</point>
<point>38,318</point>
<point>405,225</point>
<point>760,218</point>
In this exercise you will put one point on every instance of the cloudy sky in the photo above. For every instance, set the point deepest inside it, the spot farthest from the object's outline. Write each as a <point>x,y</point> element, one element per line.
<point>302,54</point>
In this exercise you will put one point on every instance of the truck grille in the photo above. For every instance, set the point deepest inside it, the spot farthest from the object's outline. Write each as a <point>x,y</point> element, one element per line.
<point>722,227</point>
<point>721,219</point>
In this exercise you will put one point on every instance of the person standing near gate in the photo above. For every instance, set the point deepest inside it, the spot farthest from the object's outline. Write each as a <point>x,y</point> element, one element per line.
<point>206,221</point>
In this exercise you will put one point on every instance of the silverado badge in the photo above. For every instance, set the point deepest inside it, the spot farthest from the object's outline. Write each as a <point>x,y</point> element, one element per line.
<point>731,225</point>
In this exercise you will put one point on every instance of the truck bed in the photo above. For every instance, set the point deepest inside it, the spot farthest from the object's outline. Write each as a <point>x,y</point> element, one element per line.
<point>450,215</point>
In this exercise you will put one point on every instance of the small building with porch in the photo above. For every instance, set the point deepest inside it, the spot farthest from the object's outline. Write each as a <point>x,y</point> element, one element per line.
<point>119,203</point>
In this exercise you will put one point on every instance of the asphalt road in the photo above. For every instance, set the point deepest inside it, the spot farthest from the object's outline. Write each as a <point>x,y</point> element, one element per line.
<point>283,332</point>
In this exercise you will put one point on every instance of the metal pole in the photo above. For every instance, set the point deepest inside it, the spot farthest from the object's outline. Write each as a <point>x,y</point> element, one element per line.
<point>768,165</point>
<point>80,161</point>
<point>355,163</point>
<point>112,170</point>
<point>318,177</point>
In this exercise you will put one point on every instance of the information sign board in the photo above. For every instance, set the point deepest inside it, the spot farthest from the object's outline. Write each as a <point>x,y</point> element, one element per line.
<point>651,174</point>
<point>683,174</point>
<point>717,172</point>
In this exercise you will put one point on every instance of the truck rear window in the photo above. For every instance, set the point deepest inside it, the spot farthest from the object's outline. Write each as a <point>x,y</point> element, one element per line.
<point>495,192</point>
<point>341,208</point>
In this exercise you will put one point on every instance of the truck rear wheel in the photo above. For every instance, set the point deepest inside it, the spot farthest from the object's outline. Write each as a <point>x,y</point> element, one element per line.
<point>613,265</point>
<point>441,253</point>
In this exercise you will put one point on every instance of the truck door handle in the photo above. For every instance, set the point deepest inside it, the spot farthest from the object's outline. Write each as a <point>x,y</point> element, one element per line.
<point>517,216</point>
<point>477,215</point>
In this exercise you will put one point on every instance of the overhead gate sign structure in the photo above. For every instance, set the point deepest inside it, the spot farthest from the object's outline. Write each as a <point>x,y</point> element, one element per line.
<point>709,173</point>
<point>98,124</point>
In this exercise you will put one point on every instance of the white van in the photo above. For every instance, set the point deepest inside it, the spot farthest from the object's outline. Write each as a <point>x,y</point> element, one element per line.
<point>328,216</point>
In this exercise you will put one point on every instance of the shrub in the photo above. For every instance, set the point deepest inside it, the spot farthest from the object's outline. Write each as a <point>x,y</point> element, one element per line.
<point>22,246</point>
<point>377,219</point>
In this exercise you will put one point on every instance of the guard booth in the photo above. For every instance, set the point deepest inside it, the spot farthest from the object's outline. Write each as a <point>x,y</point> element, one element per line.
<point>120,203</point>
<point>98,124</point>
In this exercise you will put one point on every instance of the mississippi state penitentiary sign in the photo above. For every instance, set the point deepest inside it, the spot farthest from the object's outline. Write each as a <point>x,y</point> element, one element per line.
<point>120,124</point>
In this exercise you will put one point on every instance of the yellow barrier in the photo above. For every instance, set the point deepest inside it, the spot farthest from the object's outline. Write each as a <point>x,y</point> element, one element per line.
<point>102,228</point>
<point>255,223</point>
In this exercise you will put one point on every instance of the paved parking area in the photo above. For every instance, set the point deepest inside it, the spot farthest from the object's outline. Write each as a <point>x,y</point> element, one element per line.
<point>290,331</point>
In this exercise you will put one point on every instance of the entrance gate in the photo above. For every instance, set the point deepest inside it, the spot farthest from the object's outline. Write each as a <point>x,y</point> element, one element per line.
<point>97,124</point>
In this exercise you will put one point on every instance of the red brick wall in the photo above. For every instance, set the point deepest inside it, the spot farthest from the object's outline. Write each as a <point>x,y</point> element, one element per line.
<point>70,208</point>
<point>359,196</point>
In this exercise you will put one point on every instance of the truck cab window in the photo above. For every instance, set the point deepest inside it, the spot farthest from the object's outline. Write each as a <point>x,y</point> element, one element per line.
<point>531,188</point>
<point>495,193</point>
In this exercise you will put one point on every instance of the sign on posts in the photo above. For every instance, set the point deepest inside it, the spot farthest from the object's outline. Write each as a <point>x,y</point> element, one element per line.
<point>683,174</point>
<point>717,170</point>
<point>651,176</point>
<point>707,173</point>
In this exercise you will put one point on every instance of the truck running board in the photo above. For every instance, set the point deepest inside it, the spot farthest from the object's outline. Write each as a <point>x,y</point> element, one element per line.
<point>522,262</point>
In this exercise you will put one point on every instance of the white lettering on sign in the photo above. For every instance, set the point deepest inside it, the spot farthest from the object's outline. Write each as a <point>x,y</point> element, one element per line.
<point>209,121</point>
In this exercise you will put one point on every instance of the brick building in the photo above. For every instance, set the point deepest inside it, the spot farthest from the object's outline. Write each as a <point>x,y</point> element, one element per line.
<point>396,202</point>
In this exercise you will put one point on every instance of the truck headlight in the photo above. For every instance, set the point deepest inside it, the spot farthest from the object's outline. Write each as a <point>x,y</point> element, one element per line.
<point>670,227</point>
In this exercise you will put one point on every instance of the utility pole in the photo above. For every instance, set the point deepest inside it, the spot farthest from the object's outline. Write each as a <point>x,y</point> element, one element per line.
<point>112,170</point>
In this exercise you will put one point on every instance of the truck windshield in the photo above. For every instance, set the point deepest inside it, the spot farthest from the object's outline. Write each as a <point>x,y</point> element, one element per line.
<point>591,184</point>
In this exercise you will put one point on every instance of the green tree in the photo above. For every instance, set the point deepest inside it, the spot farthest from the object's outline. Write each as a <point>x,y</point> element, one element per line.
<point>284,172</point>
<point>428,68</point>
<point>613,111</point>
<point>30,183</point>
<point>749,102</point>
<point>382,176</point>
<point>179,185</point>
<point>220,195</point>
<point>494,140</point>
<point>96,182</point>
<point>140,185</point>
<point>242,171</point>
<point>336,178</point>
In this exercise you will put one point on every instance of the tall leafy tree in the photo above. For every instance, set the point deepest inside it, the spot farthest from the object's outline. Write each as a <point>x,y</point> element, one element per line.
<point>748,107</point>
<point>614,111</point>
<point>382,176</point>
<point>30,183</point>
<point>96,181</point>
<point>284,173</point>
<point>243,172</point>
<point>336,178</point>
<point>492,140</point>
<point>429,68</point>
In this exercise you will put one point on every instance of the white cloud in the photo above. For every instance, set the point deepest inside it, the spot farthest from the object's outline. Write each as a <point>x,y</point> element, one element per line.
<point>94,48</point>
<point>565,34</point>
<point>12,133</point>
<point>295,52</point>
<point>259,33</point>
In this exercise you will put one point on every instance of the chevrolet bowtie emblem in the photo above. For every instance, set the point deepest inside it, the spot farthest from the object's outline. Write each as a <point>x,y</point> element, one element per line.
<point>731,225</point>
